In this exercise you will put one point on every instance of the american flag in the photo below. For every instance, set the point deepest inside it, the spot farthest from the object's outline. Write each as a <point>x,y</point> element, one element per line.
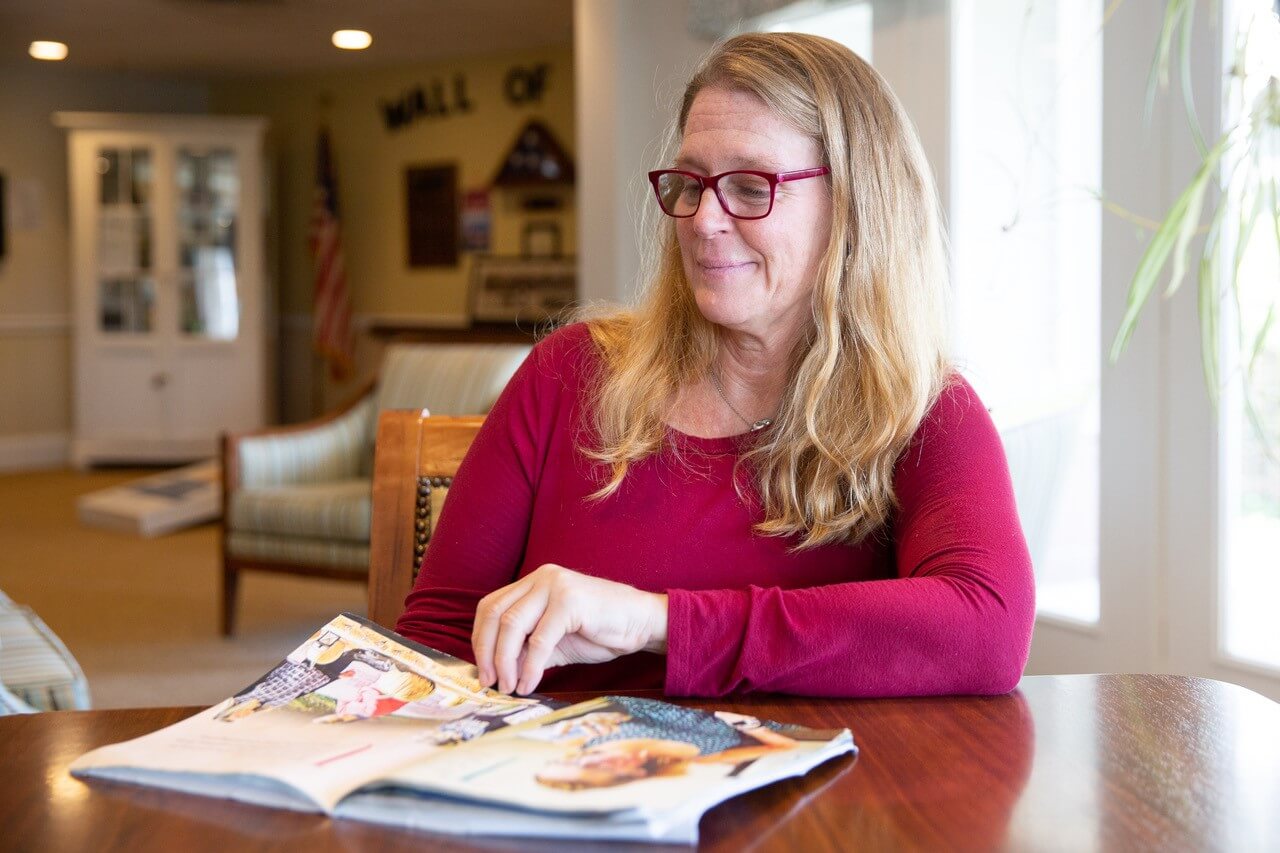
<point>331,334</point>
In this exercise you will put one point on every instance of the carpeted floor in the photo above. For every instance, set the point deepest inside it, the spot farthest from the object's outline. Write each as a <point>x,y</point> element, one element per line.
<point>141,615</point>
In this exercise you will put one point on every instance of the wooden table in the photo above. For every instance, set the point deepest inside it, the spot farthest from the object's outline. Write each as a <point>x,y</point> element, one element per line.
<point>1079,762</point>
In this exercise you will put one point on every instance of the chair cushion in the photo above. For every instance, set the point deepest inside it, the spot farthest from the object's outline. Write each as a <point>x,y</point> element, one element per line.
<point>336,510</point>
<point>333,450</point>
<point>447,379</point>
<point>335,553</point>
<point>35,666</point>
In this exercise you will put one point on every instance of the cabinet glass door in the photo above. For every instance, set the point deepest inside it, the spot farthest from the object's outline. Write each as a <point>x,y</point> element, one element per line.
<point>208,180</point>
<point>125,266</point>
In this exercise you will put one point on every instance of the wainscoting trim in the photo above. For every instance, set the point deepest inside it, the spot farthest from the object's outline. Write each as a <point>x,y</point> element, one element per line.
<point>34,451</point>
<point>25,325</point>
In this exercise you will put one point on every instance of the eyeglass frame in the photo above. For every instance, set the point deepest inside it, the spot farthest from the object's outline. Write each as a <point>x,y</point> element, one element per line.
<point>713,182</point>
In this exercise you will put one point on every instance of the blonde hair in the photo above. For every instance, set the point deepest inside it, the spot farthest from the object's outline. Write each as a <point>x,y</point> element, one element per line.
<point>873,362</point>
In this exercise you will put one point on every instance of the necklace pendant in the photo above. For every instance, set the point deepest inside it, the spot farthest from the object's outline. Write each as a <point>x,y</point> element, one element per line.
<point>761,424</point>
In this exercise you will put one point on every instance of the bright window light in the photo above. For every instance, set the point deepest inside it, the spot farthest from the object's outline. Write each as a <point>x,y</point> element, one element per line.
<point>50,50</point>
<point>352,39</point>
<point>848,23</point>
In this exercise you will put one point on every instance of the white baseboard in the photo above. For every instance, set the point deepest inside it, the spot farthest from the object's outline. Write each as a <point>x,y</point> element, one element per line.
<point>34,451</point>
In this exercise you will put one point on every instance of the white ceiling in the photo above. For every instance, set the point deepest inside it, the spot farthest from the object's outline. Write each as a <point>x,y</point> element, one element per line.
<point>251,37</point>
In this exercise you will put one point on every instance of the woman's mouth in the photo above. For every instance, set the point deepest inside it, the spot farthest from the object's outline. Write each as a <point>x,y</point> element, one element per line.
<point>719,269</point>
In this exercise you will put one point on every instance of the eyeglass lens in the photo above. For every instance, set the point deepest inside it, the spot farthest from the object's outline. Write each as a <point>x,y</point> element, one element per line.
<point>743,194</point>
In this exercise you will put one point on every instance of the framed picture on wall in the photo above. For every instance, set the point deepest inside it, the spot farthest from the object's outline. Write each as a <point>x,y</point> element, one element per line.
<point>540,240</point>
<point>431,195</point>
<point>516,289</point>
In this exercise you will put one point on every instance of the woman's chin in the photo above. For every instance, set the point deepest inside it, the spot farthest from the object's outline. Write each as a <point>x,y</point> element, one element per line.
<point>723,306</point>
<point>724,316</point>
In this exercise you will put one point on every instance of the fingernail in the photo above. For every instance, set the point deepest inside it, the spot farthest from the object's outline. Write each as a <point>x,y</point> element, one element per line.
<point>522,688</point>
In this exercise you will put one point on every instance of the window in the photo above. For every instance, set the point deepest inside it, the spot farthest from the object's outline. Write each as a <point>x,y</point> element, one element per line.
<point>1250,463</point>
<point>847,23</point>
<point>1026,244</point>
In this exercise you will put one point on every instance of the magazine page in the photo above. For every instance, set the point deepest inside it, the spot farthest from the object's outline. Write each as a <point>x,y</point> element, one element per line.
<point>630,758</point>
<point>449,816</point>
<point>350,704</point>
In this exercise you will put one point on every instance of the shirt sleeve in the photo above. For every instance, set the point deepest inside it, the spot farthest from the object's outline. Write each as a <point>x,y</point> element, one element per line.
<point>478,543</point>
<point>957,618</point>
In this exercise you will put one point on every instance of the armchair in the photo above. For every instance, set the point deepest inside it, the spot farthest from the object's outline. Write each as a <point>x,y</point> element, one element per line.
<point>37,672</point>
<point>297,499</point>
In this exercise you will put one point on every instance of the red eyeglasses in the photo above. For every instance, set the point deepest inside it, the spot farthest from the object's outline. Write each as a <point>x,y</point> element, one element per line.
<point>743,193</point>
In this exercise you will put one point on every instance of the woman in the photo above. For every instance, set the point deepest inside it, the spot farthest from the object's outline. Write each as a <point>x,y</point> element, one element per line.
<point>766,477</point>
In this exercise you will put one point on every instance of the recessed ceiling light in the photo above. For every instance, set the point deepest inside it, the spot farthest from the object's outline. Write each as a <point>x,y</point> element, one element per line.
<point>352,39</point>
<point>52,50</point>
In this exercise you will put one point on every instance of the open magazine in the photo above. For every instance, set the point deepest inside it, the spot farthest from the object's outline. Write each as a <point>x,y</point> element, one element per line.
<point>361,723</point>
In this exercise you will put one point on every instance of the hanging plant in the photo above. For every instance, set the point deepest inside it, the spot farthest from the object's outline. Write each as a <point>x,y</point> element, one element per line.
<point>1245,155</point>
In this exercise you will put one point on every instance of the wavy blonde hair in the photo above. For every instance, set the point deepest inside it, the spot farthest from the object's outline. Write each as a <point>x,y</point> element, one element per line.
<point>872,363</point>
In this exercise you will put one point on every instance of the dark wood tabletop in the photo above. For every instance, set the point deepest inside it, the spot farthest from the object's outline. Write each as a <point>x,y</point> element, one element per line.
<point>1072,762</point>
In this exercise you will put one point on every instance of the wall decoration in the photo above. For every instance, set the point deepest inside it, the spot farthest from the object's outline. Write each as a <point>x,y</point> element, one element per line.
<point>521,290</point>
<point>524,84</point>
<point>540,240</point>
<point>535,160</point>
<point>434,100</point>
<point>477,221</point>
<point>432,200</point>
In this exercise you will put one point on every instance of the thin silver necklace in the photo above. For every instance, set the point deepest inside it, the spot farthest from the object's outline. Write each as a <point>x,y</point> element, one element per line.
<point>754,427</point>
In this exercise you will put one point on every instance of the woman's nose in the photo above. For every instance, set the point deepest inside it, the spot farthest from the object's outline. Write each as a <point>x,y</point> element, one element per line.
<point>710,217</point>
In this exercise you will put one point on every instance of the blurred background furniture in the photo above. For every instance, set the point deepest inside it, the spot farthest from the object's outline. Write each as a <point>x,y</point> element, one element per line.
<point>170,284</point>
<point>37,673</point>
<point>416,460</point>
<point>298,498</point>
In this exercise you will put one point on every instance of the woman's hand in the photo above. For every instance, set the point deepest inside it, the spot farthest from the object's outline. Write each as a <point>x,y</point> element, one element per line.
<point>555,616</point>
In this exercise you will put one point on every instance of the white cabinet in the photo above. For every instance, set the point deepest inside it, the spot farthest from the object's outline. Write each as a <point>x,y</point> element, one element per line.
<point>169,292</point>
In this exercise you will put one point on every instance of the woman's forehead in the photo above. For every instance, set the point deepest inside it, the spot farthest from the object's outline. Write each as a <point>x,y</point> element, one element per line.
<point>733,129</point>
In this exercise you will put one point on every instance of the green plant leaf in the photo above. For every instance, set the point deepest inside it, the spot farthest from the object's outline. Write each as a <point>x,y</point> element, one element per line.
<point>1159,72</point>
<point>1248,219</point>
<point>1194,194</point>
<point>1188,95</point>
<point>1211,294</point>
<point>1174,231</point>
<point>1259,426</point>
<point>1208,304</point>
<point>1260,340</point>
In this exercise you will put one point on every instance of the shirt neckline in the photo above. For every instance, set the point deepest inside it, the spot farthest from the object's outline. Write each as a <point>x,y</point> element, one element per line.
<point>723,444</point>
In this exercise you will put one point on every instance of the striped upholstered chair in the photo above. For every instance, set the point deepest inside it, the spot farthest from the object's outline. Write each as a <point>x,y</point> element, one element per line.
<point>37,673</point>
<point>298,499</point>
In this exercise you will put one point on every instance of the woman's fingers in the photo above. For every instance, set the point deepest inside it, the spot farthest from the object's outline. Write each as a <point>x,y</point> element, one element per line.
<point>514,626</point>
<point>555,616</point>
<point>542,643</point>
<point>484,631</point>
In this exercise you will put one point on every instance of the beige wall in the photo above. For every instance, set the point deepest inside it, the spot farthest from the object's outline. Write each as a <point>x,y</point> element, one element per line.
<point>633,61</point>
<point>370,162</point>
<point>35,290</point>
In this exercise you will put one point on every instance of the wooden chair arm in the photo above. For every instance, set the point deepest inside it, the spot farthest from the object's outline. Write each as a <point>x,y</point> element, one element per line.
<point>409,446</point>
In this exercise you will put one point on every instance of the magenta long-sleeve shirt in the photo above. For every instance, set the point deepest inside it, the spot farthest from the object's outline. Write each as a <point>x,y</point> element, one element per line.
<point>941,601</point>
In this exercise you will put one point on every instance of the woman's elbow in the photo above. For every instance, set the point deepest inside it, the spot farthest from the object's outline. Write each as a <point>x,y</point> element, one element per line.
<point>1004,648</point>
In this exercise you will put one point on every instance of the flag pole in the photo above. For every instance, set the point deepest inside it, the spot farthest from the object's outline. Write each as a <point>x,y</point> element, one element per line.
<point>319,363</point>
